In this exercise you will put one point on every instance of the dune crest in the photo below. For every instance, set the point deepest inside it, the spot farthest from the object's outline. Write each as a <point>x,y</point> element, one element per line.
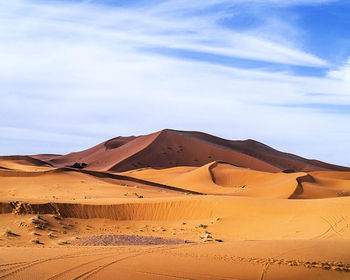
<point>224,178</point>
<point>170,148</point>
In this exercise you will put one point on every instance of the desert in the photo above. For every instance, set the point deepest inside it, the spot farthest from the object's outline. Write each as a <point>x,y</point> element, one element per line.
<point>173,205</point>
<point>175,139</point>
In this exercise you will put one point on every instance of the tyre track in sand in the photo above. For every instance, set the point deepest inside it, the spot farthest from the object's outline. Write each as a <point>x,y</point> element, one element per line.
<point>11,269</point>
<point>72,269</point>
<point>92,272</point>
<point>22,266</point>
<point>10,266</point>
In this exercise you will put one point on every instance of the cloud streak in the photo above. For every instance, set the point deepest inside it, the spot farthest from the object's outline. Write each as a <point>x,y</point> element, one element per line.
<point>153,26</point>
<point>75,74</point>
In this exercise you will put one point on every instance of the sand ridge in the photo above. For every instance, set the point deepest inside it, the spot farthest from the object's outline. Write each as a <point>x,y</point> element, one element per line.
<point>223,178</point>
<point>170,148</point>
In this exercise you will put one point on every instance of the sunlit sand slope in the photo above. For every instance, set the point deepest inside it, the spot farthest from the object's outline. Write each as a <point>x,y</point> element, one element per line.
<point>325,184</point>
<point>230,217</point>
<point>170,148</point>
<point>25,163</point>
<point>226,179</point>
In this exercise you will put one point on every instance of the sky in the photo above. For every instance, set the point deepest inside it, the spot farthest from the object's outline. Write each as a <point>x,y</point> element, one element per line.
<point>76,73</point>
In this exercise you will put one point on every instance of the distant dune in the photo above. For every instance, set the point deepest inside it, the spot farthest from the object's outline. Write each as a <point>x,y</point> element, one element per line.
<point>170,148</point>
<point>221,178</point>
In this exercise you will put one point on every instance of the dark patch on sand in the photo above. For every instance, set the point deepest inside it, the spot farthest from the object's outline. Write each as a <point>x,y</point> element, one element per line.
<point>119,240</point>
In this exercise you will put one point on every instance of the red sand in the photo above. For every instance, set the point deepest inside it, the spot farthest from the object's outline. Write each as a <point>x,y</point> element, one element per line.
<point>170,148</point>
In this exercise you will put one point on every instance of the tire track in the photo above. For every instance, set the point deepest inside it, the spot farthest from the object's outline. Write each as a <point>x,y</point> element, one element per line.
<point>264,270</point>
<point>92,272</point>
<point>331,228</point>
<point>6,264</point>
<point>167,275</point>
<point>183,277</point>
<point>40,261</point>
<point>13,266</point>
<point>30,264</point>
<point>77,267</point>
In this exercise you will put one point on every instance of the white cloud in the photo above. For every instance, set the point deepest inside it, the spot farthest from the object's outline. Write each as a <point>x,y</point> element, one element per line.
<point>176,5</point>
<point>342,73</point>
<point>149,27</point>
<point>79,71</point>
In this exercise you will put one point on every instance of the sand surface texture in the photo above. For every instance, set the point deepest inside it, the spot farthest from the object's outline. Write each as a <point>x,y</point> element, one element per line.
<point>174,205</point>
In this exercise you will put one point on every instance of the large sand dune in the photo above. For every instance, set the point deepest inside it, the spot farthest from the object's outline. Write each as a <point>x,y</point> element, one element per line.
<point>174,205</point>
<point>169,148</point>
<point>23,163</point>
<point>225,179</point>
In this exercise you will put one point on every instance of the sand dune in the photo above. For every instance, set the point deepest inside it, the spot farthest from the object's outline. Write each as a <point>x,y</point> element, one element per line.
<point>225,179</point>
<point>215,178</point>
<point>66,184</point>
<point>325,184</point>
<point>239,218</point>
<point>170,148</point>
<point>23,163</point>
<point>173,205</point>
<point>45,157</point>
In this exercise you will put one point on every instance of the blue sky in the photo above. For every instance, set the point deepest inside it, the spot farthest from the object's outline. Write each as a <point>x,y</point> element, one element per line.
<point>75,73</point>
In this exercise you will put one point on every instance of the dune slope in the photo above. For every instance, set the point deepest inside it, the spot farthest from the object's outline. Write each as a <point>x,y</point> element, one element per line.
<point>170,148</point>
<point>222,178</point>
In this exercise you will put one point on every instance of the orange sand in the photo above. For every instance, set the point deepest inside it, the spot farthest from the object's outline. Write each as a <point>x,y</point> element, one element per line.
<point>170,148</point>
<point>274,225</point>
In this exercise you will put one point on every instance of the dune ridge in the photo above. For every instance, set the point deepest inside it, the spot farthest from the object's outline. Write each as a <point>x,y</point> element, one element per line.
<point>23,162</point>
<point>214,178</point>
<point>170,148</point>
<point>222,178</point>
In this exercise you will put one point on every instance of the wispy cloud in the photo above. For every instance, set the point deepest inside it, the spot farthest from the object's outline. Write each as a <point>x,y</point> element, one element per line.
<point>342,73</point>
<point>327,108</point>
<point>157,25</point>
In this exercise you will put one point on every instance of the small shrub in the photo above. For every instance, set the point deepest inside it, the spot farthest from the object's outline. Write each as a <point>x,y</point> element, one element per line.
<point>35,221</point>
<point>39,227</point>
<point>8,231</point>
<point>218,240</point>
<point>62,242</point>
